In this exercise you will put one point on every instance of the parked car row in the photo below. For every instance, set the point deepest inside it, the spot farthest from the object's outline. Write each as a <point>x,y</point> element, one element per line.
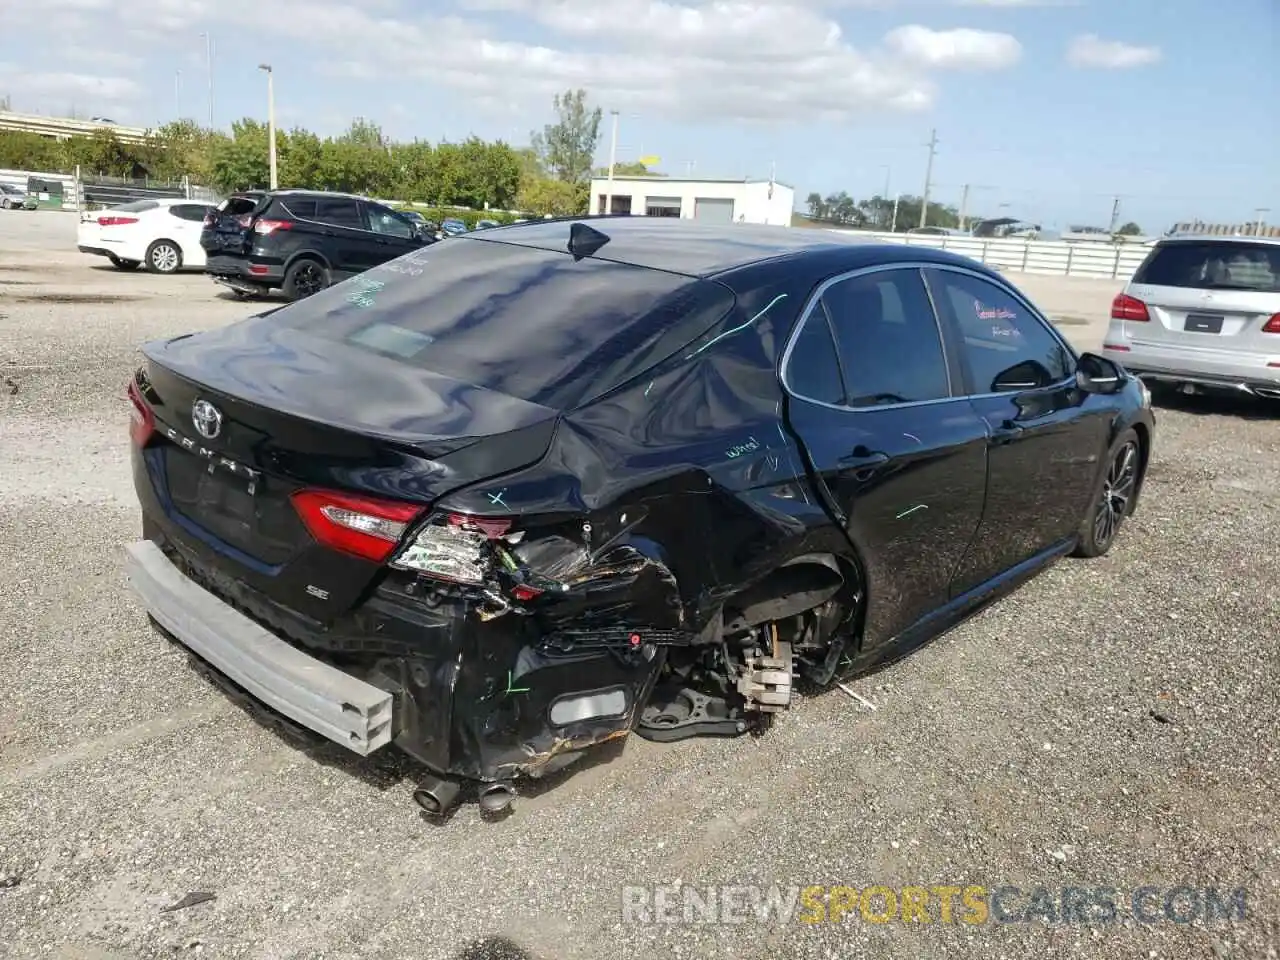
<point>296,241</point>
<point>15,198</point>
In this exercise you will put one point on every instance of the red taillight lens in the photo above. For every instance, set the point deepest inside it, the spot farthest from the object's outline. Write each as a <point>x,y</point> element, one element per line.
<point>1125,307</point>
<point>116,221</point>
<point>142,422</point>
<point>1272,325</point>
<point>360,526</point>
<point>209,219</point>
<point>265,227</point>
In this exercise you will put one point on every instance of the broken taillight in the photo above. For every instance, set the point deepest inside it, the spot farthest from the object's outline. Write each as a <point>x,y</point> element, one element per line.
<point>452,547</point>
<point>142,422</point>
<point>360,526</point>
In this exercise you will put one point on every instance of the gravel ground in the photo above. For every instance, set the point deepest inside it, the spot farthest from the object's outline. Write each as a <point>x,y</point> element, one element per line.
<point>1113,724</point>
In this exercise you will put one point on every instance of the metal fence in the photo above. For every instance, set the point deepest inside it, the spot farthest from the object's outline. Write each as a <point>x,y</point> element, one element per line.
<point>1103,261</point>
<point>77,191</point>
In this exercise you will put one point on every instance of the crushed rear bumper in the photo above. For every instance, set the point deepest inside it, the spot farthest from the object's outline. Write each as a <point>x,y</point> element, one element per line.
<point>321,697</point>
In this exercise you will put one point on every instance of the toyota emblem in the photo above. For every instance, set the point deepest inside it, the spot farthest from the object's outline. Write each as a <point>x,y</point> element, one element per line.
<point>207,419</point>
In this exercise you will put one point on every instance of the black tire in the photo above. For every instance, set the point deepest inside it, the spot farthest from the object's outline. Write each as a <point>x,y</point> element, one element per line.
<point>1113,496</point>
<point>164,256</point>
<point>304,278</point>
<point>6,203</point>
<point>120,264</point>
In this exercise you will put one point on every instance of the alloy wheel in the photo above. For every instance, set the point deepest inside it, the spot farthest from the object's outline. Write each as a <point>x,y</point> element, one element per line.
<point>1117,492</point>
<point>308,280</point>
<point>164,258</point>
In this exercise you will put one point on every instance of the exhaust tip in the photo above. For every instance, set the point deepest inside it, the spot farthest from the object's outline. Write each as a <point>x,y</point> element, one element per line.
<point>496,797</point>
<point>436,796</point>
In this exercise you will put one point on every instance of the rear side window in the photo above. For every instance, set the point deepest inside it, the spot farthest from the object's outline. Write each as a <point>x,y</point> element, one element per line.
<point>889,345</point>
<point>301,207</point>
<point>813,371</point>
<point>1213,265</point>
<point>194,212</point>
<point>529,323</point>
<point>340,212</point>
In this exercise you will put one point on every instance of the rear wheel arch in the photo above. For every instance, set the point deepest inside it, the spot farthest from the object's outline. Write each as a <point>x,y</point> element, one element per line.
<point>308,255</point>
<point>799,585</point>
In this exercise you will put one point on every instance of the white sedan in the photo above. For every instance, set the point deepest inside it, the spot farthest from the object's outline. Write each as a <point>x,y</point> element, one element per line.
<point>162,234</point>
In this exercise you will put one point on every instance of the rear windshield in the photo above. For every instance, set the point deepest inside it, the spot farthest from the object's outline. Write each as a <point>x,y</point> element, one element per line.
<point>239,206</point>
<point>530,323</point>
<point>1213,265</point>
<point>137,206</point>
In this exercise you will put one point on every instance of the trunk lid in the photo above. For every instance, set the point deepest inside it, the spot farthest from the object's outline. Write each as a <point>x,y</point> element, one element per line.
<point>294,415</point>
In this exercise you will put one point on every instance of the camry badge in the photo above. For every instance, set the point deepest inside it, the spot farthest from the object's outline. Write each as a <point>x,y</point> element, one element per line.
<point>206,418</point>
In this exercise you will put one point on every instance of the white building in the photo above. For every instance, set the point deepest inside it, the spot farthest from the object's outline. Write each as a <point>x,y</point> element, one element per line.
<point>717,201</point>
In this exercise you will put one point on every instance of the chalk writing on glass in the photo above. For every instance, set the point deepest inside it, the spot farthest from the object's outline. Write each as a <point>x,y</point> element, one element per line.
<point>362,295</point>
<point>993,313</point>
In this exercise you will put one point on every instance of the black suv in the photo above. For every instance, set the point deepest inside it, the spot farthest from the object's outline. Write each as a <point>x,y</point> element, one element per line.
<point>301,241</point>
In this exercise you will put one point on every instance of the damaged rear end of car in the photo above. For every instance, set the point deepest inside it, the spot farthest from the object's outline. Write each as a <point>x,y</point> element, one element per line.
<point>493,503</point>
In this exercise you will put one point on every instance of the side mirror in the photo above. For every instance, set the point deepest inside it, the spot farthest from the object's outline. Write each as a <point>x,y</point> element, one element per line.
<point>1096,374</point>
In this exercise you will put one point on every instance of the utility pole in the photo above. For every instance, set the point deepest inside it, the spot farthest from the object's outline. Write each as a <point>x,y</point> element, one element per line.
<point>1115,214</point>
<point>1261,219</point>
<point>928,178</point>
<point>208,65</point>
<point>177,95</point>
<point>964,201</point>
<point>613,161</point>
<point>271,121</point>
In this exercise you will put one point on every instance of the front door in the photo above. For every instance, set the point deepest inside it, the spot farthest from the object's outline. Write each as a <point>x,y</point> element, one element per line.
<point>1048,437</point>
<point>901,457</point>
<point>393,235</point>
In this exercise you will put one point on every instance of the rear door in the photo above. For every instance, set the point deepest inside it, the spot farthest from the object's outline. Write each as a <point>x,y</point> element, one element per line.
<point>902,457</point>
<point>1047,436</point>
<point>1210,294</point>
<point>185,223</point>
<point>347,243</point>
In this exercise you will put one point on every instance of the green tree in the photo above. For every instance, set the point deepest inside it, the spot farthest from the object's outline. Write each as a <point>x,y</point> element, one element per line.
<point>241,162</point>
<point>541,196</point>
<point>1130,229</point>
<point>566,147</point>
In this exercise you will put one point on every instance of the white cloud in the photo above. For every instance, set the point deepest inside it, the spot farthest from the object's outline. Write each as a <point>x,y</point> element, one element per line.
<point>725,59</point>
<point>960,49</point>
<point>75,87</point>
<point>1091,51</point>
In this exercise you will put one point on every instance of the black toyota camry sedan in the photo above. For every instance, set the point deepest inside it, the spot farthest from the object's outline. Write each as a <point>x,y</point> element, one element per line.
<point>505,499</point>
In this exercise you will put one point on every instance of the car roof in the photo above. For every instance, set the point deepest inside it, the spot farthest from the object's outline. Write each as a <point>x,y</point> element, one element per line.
<point>702,249</point>
<point>1217,238</point>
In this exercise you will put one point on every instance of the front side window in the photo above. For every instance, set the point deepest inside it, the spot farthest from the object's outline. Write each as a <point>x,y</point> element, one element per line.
<point>887,338</point>
<point>383,221</point>
<point>1005,346</point>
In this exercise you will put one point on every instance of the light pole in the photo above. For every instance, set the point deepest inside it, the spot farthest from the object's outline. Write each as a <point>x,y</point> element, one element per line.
<point>613,160</point>
<point>208,65</point>
<point>271,121</point>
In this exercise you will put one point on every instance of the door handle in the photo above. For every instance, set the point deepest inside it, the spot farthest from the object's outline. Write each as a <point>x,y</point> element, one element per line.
<point>861,456</point>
